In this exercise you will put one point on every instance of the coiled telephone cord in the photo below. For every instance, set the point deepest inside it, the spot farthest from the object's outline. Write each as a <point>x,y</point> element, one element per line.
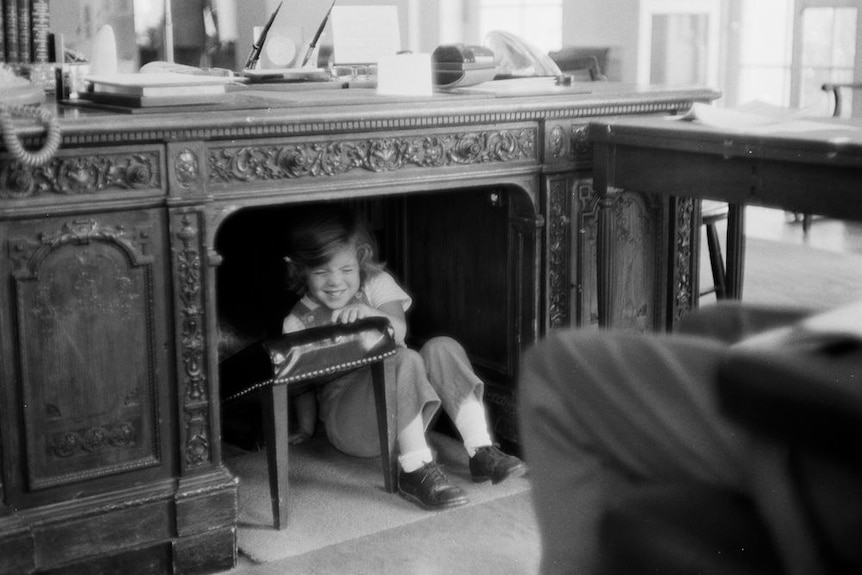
<point>13,143</point>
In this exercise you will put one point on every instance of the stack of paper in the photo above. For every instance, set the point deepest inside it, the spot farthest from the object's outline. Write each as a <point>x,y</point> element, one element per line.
<point>155,89</point>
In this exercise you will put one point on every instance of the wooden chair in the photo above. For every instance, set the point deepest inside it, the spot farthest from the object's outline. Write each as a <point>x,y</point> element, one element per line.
<point>284,366</point>
<point>838,90</point>
<point>583,64</point>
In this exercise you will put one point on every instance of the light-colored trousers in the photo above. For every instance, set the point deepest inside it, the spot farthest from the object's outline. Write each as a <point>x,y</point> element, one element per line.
<point>438,374</point>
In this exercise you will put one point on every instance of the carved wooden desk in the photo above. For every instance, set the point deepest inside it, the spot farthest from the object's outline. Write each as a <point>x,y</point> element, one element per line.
<point>120,255</point>
<point>817,171</point>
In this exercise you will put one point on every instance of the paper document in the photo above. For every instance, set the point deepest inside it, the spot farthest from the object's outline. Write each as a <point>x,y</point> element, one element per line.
<point>759,117</point>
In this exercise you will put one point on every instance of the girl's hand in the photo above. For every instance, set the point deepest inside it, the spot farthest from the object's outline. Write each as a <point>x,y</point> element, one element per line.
<point>351,313</point>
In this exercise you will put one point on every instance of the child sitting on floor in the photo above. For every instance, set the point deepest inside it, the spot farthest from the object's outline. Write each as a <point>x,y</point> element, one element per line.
<point>332,266</point>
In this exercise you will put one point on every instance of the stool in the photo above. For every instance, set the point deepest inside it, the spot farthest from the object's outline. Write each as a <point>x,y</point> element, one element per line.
<point>289,364</point>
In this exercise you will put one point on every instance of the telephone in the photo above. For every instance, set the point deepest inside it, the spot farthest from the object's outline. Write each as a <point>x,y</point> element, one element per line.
<point>20,98</point>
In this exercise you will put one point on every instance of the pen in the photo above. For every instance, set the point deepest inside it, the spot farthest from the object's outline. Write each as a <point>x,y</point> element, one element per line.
<point>254,55</point>
<point>317,35</point>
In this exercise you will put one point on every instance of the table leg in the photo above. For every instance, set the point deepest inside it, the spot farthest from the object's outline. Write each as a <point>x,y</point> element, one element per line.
<point>735,250</point>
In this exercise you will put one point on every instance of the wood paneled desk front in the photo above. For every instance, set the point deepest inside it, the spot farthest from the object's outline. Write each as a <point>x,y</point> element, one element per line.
<point>808,167</point>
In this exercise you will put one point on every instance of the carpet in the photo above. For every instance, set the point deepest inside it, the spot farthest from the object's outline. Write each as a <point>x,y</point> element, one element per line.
<point>335,498</point>
<point>499,536</point>
<point>788,274</point>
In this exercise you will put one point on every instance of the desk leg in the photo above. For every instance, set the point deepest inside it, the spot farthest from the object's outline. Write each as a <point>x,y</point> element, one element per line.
<point>605,266</point>
<point>603,175</point>
<point>735,250</point>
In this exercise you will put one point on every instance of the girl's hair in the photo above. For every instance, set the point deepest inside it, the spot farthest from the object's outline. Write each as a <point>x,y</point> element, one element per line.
<point>321,234</point>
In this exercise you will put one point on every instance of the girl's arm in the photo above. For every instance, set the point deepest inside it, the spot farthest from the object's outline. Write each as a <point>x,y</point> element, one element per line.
<point>395,313</point>
<point>392,310</point>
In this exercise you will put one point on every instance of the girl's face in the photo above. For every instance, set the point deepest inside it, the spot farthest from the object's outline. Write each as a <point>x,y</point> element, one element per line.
<point>336,282</point>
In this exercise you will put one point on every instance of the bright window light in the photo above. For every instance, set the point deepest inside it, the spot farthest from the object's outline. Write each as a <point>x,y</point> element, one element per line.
<point>536,21</point>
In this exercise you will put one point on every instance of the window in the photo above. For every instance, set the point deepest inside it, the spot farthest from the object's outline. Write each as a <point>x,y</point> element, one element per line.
<point>765,51</point>
<point>825,51</point>
<point>789,48</point>
<point>679,42</point>
<point>536,21</point>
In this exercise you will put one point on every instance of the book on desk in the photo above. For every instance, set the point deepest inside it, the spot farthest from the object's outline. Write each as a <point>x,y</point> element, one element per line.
<point>155,89</point>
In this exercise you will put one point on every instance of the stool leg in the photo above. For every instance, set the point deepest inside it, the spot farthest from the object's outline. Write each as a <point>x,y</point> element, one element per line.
<point>385,427</point>
<point>275,423</point>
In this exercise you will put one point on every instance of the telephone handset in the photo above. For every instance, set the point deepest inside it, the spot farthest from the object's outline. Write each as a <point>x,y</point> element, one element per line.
<point>22,99</point>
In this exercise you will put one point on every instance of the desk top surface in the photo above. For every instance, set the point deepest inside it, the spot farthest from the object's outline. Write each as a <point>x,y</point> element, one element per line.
<point>826,140</point>
<point>267,105</point>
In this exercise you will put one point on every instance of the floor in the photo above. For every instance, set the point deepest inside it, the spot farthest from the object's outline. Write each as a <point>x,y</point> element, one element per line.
<point>825,234</point>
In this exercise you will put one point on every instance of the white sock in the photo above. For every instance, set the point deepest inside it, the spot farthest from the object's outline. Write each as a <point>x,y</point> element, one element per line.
<point>471,424</point>
<point>413,449</point>
<point>413,460</point>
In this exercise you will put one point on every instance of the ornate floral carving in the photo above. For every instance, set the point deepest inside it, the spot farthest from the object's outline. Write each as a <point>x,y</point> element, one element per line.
<point>93,439</point>
<point>197,436</point>
<point>683,268</point>
<point>81,175</point>
<point>187,168</point>
<point>88,295</point>
<point>582,149</point>
<point>557,141</point>
<point>559,233</point>
<point>106,273</point>
<point>188,266</point>
<point>85,286</point>
<point>389,154</point>
<point>78,232</point>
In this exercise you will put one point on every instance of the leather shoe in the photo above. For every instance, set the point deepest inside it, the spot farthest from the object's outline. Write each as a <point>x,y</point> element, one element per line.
<point>491,463</point>
<point>429,487</point>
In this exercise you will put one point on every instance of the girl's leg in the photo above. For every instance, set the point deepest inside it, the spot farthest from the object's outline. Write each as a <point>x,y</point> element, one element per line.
<point>347,408</point>
<point>460,390</point>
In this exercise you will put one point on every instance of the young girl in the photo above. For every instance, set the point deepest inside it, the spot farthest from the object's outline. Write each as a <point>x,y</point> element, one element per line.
<point>332,266</point>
